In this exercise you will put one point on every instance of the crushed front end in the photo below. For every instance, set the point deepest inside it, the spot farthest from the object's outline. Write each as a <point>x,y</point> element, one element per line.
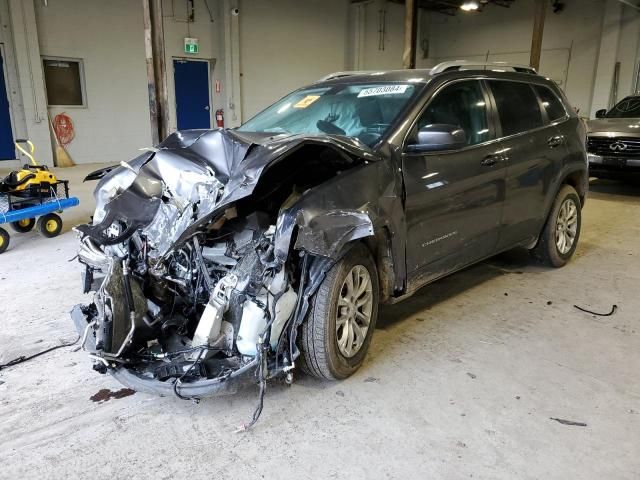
<point>195,289</point>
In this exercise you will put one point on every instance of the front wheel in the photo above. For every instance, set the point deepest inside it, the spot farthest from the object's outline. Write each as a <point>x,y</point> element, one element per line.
<point>559,238</point>
<point>342,316</point>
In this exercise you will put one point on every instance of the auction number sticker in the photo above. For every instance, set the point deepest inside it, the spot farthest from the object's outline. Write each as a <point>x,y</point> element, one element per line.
<point>306,101</point>
<point>386,90</point>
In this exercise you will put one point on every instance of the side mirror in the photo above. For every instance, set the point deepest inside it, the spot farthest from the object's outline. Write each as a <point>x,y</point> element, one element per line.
<point>438,136</point>
<point>601,113</point>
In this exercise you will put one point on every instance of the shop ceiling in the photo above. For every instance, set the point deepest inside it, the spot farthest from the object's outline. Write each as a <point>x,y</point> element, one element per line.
<point>451,7</point>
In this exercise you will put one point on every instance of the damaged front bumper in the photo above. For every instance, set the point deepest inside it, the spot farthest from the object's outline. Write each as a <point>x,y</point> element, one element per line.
<point>188,256</point>
<point>141,382</point>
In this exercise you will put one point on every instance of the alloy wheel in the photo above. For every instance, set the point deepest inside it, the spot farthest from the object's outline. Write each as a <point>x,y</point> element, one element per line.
<point>566,226</point>
<point>355,305</point>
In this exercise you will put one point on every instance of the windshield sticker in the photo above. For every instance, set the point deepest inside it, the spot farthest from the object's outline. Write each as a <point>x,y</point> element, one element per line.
<point>386,90</point>
<point>306,101</point>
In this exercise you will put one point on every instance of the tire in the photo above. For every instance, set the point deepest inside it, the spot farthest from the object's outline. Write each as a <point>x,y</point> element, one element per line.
<point>4,240</point>
<point>49,225</point>
<point>23,226</point>
<point>548,250</point>
<point>322,356</point>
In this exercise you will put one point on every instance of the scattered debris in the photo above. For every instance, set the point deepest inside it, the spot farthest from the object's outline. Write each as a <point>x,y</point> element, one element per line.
<point>471,375</point>
<point>517,397</point>
<point>340,393</point>
<point>549,302</point>
<point>24,358</point>
<point>371,380</point>
<point>506,294</point>
<point>613,310</point>
<point>461,444</point>
<point>104,395</point>
<point>569,422</point>
<point>420,319</point>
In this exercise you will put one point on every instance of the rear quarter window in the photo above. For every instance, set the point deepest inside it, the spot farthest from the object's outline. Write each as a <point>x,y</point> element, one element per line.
<point>518,107</point>
<point>552,105</point>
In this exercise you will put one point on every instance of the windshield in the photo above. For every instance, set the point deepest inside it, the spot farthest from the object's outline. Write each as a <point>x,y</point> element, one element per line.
<point>362,111</point>
<point>627,108</point>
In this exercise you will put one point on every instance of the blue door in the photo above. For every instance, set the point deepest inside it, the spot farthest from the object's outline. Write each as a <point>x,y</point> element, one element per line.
<point>7,150</point>
<point>191,78</point>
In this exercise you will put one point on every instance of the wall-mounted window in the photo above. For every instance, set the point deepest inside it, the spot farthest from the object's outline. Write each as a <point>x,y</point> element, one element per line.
<point>64,80</point>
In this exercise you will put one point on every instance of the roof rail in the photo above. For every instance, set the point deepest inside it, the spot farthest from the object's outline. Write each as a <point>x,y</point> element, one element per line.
<point>459,64</point>
<point>334,75</point>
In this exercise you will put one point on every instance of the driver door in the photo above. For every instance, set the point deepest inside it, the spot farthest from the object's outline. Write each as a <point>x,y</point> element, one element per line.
<point>454,198</point>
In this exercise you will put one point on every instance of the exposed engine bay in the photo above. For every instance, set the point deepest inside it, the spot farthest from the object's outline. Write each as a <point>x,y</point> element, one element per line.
<point>202,258</point>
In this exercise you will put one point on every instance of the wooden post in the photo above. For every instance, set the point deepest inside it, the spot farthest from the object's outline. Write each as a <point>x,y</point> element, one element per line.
<point>156,69</point>
<point>159,68</point>
<point>538,29</point>
<point>410,34</point>
<point>151,77</point>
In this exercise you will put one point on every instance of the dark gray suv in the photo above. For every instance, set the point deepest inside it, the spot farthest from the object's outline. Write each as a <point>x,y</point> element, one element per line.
<point>231,256</point>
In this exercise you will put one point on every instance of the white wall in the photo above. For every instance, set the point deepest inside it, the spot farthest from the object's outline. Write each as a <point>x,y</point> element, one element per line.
<point>209,35</point>
<point>108,37</point>
<point>27,62</point>
<point>570,43</point>
<point>383,51</point>
<point>285,44</point>
<point>14,92</point>
<point>628,50</point>
<point>275,46</point>
<point>370,48</point>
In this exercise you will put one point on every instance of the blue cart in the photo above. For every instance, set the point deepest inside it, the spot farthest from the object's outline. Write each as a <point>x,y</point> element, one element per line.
<point>21,213</point>
<point>30,193</point>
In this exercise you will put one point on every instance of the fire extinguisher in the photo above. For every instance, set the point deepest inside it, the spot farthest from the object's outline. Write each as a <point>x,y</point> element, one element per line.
<point>220,118</point>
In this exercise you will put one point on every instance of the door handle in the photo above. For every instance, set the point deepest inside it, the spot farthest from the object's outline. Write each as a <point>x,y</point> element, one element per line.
<point>490,160</point>
<point>554,141</point>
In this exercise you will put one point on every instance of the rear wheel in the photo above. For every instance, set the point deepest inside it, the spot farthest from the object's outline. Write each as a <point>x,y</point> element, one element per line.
<point>23,226</point>
<point>49,225</point>
<point>4,240</point>
<point>342,316</point>
<point>560,235</point>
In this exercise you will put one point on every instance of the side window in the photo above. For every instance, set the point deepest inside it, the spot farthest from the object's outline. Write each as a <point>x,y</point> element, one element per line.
<point>554,108</point>
<point>461,104</point>
<point>64,81</point>
<point>518,106</point>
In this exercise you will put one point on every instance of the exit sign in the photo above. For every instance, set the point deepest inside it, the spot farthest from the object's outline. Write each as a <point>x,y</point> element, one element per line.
<point>191,45</point>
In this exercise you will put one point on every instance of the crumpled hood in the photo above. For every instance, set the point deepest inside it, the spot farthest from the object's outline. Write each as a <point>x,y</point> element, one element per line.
<point>171,191</point>
<point>615,125</point>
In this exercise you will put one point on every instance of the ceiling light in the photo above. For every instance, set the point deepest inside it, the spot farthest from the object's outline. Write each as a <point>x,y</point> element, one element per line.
<point>469,6</point>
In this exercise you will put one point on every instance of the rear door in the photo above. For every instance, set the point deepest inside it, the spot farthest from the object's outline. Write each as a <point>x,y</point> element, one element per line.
<point>453,199</point>
<point>534,149</point>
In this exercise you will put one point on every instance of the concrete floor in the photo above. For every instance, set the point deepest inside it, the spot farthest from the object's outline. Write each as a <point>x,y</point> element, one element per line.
<point>461,380</point>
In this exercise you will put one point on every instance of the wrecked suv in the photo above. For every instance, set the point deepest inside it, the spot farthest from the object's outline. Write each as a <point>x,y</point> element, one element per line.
<point>227,257</point>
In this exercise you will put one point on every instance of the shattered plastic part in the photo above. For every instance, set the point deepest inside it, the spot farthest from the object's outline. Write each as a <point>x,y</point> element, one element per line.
<point>150,210</point>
